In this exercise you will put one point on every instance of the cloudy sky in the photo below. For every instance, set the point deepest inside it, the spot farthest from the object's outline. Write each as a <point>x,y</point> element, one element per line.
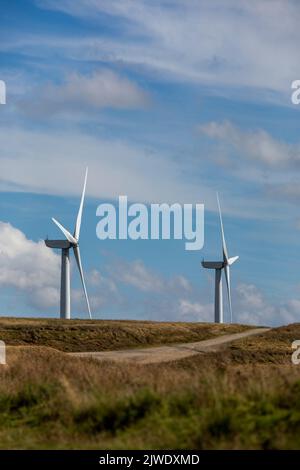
<point>165,101</point>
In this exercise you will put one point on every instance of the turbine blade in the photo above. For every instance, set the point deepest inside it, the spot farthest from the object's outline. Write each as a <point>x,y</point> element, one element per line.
<point>78,261</point>
<point>66,233</point>
<point>227,276</point>
<point>79,215</point>
<point>225,253</point>
<point>232,260</point>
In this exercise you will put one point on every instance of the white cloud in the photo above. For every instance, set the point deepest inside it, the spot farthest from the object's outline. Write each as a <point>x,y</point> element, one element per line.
<point>103,291</point>
<point>34,270</point>
<point>156,297</point>
<point>256,157</point>
<point>252,307</point>
<point>194,40</point>
<point>137,275</point>
<point>29,267</point>
<point>180,282</point>
<point>255,145</point>
<point>79,93</point>
<point>97,279</point>
<point>195,311</point>
<point>30,161</point>
<point>45,297</point>
<point>105,296</point>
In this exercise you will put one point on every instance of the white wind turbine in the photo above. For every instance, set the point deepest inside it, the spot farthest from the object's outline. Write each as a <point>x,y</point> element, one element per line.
<point>72,241</point>
<point>218,266</point>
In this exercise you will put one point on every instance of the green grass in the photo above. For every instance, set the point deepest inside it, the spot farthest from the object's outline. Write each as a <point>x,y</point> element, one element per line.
<point>191,417</point>
<point>245,396</point>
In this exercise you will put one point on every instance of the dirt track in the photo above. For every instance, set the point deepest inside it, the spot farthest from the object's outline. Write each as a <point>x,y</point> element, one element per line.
<point>168,353</point>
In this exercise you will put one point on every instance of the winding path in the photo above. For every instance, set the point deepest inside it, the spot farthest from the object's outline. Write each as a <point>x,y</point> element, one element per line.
<point>172,352</point>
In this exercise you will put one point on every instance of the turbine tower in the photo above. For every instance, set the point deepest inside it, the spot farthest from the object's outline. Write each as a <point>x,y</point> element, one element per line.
<point>71,241</point>
<point>218,266</point>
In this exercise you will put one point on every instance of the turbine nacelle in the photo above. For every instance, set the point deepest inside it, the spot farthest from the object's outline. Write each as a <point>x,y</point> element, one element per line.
<point>213,264</point>
<point>58,244</point>
<point>219,264</point>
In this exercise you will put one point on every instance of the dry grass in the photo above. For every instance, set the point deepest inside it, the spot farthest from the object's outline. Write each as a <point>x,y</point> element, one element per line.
<point>101,335</point>
<point>245,396</point>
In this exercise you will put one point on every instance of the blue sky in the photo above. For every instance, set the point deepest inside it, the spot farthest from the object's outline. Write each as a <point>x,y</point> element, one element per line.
<point>165,101</point>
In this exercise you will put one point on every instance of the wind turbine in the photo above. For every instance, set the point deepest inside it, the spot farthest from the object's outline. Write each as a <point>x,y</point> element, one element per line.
<point>71,241</point>
<point>218,266</point>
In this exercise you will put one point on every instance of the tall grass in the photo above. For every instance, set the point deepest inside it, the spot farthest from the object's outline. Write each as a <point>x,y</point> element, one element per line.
<point>238,398</point>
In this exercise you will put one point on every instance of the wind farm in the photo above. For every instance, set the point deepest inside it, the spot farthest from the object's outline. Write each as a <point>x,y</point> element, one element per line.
<point>80,373</point>
<point>157,145</point>
<point>96,384</point>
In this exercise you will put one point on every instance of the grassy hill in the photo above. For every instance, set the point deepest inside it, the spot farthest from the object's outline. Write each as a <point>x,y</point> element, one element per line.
<point>101,335</point>
<point>244,396</point>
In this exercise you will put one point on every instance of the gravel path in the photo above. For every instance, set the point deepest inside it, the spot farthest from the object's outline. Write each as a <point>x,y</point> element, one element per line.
<point>169,353</point>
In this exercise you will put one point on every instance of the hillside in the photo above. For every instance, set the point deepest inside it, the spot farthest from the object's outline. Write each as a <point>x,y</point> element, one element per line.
<point>244,396</point>
<point>101,335</point>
